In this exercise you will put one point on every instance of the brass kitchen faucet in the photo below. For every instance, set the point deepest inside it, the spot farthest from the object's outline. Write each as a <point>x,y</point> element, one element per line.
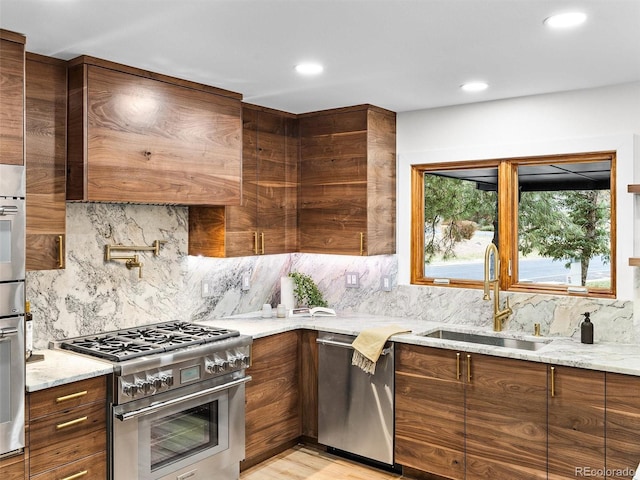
<point>499,316</point>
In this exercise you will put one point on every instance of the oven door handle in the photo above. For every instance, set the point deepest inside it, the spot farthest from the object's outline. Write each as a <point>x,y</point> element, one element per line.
<point>174,401</point>
<point>5,332</point>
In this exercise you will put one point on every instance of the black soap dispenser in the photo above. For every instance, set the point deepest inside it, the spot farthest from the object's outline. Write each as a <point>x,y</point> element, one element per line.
<point>586,329</point>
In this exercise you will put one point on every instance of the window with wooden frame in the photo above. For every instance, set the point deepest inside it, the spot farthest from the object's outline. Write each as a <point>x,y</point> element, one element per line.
<point>552,219</point>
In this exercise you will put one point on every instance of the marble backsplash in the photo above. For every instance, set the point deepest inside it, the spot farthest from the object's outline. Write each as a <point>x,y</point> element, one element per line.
<point>91,296</point>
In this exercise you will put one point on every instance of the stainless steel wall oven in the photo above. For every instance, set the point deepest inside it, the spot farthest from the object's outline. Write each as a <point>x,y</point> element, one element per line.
<point>12,274</point>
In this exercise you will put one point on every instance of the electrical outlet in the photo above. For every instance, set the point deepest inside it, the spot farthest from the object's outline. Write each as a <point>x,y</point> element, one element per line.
<point>385,283</point>
<point>352,280</point>
<point>206,288</point>
<point>246,281</point>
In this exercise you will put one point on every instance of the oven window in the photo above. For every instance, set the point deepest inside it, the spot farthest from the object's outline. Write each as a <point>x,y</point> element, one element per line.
<point>5,241</point>
<point>180,435</point>
<point>5,381</point>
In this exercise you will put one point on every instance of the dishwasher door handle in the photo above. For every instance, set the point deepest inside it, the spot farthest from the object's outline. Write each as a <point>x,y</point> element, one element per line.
<point>333,343</point>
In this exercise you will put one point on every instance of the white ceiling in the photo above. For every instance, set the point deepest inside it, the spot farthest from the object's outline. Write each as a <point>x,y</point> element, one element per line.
<point>398,54</point>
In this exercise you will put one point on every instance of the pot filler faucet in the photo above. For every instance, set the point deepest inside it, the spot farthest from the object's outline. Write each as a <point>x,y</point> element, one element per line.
<point>499,316</point>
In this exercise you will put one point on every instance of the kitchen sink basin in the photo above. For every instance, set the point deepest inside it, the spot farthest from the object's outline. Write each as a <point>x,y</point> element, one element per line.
<point>491,340</point>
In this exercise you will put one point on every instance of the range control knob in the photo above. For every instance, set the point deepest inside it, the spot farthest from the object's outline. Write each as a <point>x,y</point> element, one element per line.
<point>167,380</point>
<point>129,389</point>
<point>212,367</point>
<point>143,387</point>
<point>237,362</point>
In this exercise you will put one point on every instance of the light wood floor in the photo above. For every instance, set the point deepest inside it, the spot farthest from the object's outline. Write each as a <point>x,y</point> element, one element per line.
<point>302,463</point>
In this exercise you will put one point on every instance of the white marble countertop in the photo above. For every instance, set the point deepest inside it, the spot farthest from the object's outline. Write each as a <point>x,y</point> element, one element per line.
<point>61,367</point>
<point>609,357</point>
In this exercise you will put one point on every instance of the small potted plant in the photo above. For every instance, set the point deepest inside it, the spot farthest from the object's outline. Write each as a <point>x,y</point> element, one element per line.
<point>306,291</point>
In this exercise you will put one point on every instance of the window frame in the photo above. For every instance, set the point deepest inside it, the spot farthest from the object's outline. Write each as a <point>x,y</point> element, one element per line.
<point>507,221</point>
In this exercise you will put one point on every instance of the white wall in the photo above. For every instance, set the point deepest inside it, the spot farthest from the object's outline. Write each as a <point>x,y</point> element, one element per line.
<point>577,121</point>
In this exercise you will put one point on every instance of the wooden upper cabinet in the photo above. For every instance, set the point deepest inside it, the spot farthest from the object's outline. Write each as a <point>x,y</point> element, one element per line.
<point>136,136</point>
<point>347,197</point>
<point>45,160</point>
<point>11,98</point>
<point>265,222</point>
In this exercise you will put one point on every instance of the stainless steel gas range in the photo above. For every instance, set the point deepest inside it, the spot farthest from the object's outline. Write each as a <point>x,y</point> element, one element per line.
<point>177,399</point>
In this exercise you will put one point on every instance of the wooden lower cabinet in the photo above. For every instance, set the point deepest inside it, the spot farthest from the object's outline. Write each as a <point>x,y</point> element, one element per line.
<point>13,468</point>
<point>506,418</point>
<point>309,384</point>
<point>429,411</point>
<point>622,425</point>
<point>576,423</point>
<point>272,409</point>
<point>470,416</point>
<point>67,431</point>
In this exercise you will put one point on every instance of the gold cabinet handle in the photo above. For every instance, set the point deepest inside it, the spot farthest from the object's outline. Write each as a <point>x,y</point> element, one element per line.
<point>60,251</point>
<point>71,423</point>
<point>469,368</point>
<point>553,381</point>
<point>262,242</point>
<point>72,396</point>
<point>458,372</point>
<point>255,243</point>
<point>76,475</point>
<point>361,243</point>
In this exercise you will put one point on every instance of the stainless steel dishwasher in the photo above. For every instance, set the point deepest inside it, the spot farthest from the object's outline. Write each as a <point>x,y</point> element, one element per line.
<point>355,409</point>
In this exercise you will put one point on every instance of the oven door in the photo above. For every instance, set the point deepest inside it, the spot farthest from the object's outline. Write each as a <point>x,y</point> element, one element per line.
<point>12,383</point>
<point>12,239</point>
<point>185,436</point>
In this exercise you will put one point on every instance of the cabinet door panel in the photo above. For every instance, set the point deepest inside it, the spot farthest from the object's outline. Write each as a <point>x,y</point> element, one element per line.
<point>623,424</point>
<point>506,419</point>
<point>272,397</point>
<point>151,141</point>
<point>347,181</point>
<point>11,98</point>
<point>45,160</point>
<point>576,423</point>
<point>429,411</point>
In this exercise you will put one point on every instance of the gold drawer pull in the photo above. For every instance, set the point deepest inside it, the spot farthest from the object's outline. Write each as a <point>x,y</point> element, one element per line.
<point>60,252</point>
<point>262,243</point>
<point>76,475</point>
<point>255,243</point>
<point>361,243</point>
<point>458,373</point>
<point>71,397</point>
<point>553,381</point>
<point>469,368</point>
<point>71,423</point>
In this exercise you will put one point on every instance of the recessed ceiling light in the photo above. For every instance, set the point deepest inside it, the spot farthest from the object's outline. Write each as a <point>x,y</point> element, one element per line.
<point>309,68</point>
<point>474,86</point>
<point>566,20</point>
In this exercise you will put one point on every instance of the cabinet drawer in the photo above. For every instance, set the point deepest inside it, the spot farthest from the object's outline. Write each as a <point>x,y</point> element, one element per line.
<point>64,397</point>
<point>89,468</point>
<point>12,468</point>
<point>67,436</point>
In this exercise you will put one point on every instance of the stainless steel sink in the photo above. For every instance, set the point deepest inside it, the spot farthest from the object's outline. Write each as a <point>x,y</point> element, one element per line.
<point>491,340</point>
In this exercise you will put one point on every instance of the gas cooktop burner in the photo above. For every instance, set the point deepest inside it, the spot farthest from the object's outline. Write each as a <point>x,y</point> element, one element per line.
<point>131,343</point>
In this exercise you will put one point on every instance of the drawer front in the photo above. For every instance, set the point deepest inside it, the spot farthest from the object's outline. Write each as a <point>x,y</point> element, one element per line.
<point>68,436</point>
<point>89,468</point>
<point>64,397</point>
<point>12,468</point>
